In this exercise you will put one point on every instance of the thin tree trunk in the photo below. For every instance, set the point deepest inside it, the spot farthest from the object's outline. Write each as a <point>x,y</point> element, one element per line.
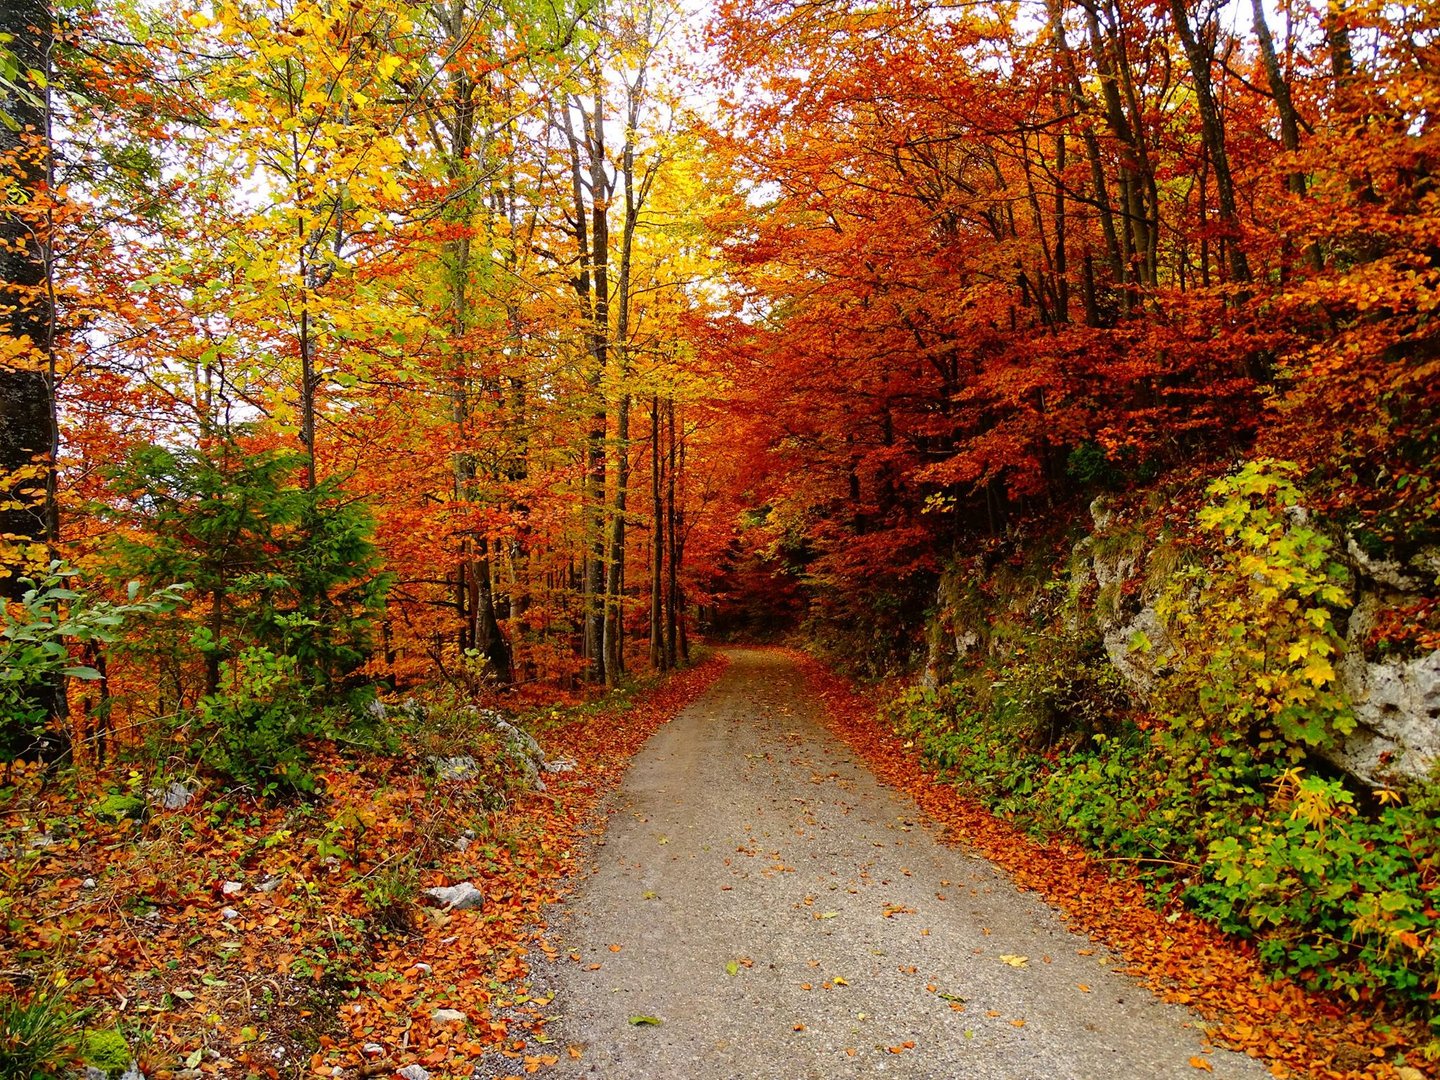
<point>657,542</point>
<point>672,590</point>
<point>1213,133</point>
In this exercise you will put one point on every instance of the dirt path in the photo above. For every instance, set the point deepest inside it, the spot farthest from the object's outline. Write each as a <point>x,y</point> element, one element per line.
<point>783,915</point>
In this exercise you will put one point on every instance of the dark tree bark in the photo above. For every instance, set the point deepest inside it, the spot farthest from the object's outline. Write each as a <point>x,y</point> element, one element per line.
<point>28,434</point>
<point>1213,132</point>
<point>657,543</point>
<point>29,431</point>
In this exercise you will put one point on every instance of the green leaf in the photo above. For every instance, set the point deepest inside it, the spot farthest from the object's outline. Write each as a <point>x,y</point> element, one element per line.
<point>639,1021</point>
<point>89,674</point>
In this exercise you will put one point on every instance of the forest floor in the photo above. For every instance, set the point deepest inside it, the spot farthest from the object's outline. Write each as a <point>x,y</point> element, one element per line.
<point>744,875</point>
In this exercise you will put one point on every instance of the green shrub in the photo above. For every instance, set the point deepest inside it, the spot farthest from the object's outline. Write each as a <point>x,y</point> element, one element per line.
<point>1332,895</point>
<point>390,892</point>
<point>35,640</point>
<point>1254,629</point>
<point>256,725</point>
<point>35,1035</point>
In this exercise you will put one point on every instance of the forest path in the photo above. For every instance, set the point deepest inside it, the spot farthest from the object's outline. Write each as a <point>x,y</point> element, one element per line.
<point>781,914</point>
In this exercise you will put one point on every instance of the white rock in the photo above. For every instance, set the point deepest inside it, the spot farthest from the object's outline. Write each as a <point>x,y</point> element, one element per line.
<point>1396,703</point>
<point>269,885</point>
<point>1386,572</point>
<point>1138,666</point>
<point>372,1050</point>
<point>559,765</point>
<point>458,768</point>
<point>459,897</point>
<point>88,883</point>
<point>1102,511</point>
<point>231,888</point>
<point>228,913</point>
<point>414,1072</point>
<point>421,968</point>
<point>131,1073</point>
<point>173,796</point>
<point>447,1016</point>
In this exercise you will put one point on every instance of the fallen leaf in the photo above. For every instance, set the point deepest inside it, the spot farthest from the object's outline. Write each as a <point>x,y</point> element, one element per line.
<point>1008,958</point>
<point>1201,1063</point>
<point>650,1021</point>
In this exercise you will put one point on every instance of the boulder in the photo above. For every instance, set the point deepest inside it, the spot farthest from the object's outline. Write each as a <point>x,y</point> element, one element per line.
<point>461,897</point>
<point>132,1072</point>
<point>173,796</point>
<point>1138,650</point>
<point>459,768</point>
<point>114,809</point>
<point>1396,702</point>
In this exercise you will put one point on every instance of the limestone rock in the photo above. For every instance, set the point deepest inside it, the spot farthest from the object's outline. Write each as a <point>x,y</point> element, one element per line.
<point>1388,572</point>
<point>447,1016</point>
<point>132,1072</point>
<point>461,897</point>
<point>1139,664</point>
<point>1396,704</point>
<point>458,768</point>
<point>173,796</point>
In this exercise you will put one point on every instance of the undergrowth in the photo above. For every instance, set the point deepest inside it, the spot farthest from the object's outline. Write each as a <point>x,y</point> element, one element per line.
<point>1215,792</point>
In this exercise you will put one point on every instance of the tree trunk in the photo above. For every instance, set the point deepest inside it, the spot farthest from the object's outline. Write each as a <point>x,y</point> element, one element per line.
<point>1212,131</point>
<point>28,429</point>
<point>615,571</point>
<point>657,542</point>
<point>29,426</point>
<point>672,590</point>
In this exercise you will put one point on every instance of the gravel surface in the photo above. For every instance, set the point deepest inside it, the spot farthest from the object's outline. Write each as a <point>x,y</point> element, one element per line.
<point>783,915</point>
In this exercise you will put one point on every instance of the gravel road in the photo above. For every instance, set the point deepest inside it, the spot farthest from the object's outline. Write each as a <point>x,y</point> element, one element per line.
<point>783,915</point>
